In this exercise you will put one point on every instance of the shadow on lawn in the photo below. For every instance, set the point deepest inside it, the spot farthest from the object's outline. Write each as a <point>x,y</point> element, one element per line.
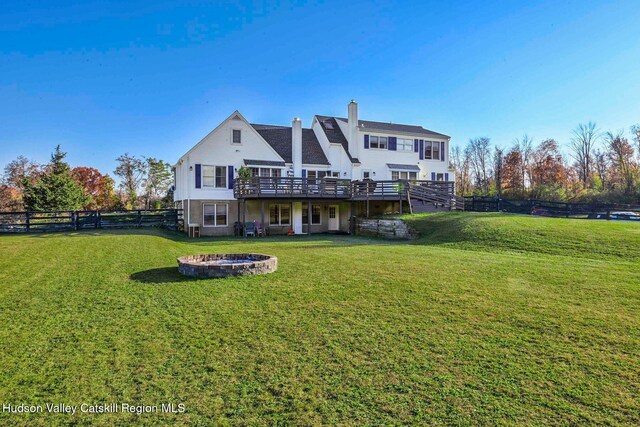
<point>150,231</point>
<point>160,275</point>
<point>327,239</point>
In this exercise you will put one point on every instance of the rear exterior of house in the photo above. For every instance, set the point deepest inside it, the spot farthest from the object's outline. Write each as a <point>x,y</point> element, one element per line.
<point>308,180</point>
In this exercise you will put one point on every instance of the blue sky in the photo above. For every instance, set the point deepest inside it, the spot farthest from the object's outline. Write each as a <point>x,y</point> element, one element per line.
<point>152,78</point>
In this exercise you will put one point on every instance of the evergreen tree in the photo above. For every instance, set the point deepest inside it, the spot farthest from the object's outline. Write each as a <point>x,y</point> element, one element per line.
<point>55,189</point>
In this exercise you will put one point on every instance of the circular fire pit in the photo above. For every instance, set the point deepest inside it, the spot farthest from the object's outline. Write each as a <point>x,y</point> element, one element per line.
<point>225,265</point>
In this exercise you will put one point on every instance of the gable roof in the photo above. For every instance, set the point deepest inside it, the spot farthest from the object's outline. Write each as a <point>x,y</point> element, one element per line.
<point>236,115</point>
<point>334,134</point>
<point>366,125</point>
<point>280,138</point>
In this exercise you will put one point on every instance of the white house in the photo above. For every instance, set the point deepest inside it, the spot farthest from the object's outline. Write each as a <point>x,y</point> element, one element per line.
<point>306,180</point>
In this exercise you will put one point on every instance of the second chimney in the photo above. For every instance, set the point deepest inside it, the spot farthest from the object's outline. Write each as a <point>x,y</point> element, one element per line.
<point>352,125</point>
<point>296,146</point>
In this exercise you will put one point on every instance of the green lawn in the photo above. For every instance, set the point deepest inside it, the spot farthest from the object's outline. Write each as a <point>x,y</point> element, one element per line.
<point>487,319</point>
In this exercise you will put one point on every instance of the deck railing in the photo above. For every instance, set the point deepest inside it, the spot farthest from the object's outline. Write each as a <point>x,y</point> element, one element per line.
<point>380,190</point>
<point>280,187</point>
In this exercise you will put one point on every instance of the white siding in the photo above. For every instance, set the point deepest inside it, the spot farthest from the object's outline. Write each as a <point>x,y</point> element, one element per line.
<point>217,149</point>
<point>376,160</point>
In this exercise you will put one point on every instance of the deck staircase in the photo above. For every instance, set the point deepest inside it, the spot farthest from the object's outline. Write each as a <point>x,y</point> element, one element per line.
<point>430,198</point>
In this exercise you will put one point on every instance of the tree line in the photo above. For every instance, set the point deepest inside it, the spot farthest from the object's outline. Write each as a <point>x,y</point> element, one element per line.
<point>26,185</point>
<point>600,167</point>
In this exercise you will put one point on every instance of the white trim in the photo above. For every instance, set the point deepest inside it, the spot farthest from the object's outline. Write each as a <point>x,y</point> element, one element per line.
<point>386,148</point>
<point>446,154</point>
<point>411,145</point>
<point>400,172</point>
<point>280,224</point>
<point>214,186</point>
<point>215,214</point>
<point>231,117</point>
<point>316,166</point>
<point>337,217</point>
<point>307,210</point>
<point>231,139</point>
<point>269,168</point>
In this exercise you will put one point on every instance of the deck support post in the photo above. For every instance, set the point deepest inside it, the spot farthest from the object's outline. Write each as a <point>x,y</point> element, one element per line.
<point>244,218</point>
<point>352,225</point>
<point>262,217</point>
<point>309,217</point>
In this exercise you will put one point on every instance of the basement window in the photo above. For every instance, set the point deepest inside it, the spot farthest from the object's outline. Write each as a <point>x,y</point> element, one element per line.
<point>214,214</point>
<point>280,214</point>
<point>315,214</point>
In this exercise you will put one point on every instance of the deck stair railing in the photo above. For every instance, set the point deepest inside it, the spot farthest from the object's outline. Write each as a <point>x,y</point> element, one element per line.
<point>439,193</point>
<point>379,190</point>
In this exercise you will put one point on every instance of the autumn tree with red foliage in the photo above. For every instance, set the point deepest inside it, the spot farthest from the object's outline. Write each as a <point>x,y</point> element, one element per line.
<point>96,185</point>
<point>547,164</point>
<point>624,168</point>
<point>512,180</point>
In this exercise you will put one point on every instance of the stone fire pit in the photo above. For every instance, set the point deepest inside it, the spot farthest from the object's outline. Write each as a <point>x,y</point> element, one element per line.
<point>225,265</point>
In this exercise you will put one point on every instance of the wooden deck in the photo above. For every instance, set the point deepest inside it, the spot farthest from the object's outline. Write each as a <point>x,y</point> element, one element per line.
<point>333,188</point>
<point>292,188</point>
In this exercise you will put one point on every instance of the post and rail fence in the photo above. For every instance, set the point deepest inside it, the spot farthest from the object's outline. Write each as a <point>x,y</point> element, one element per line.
<point>45,221</point>
<point>551,208</point>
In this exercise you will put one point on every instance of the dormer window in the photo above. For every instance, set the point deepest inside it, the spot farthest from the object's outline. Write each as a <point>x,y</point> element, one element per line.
<point>236,136</point>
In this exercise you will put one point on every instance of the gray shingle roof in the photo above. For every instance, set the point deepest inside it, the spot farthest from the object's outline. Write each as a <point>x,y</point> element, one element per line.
<point>279,137</point>
<point>250,162</point>
<point>398,166</point>
<point>365,125</point>
<point>334,134</point>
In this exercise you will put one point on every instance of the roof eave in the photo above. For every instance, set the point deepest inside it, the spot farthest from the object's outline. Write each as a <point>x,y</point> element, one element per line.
<point>387,131</point>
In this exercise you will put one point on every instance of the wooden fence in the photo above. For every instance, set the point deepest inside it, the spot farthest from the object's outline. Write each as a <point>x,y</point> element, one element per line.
<point>549,208</point>
<point>44,221</point>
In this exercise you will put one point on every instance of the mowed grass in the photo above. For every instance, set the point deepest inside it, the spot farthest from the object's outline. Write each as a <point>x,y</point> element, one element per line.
<point>487,319</point>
